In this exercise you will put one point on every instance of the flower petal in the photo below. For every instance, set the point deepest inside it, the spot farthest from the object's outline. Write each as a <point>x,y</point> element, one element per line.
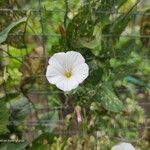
<point>53,74</point>
<point>81,72</point>
<point>60,64</point>
<point>123,146</point>
<point>67,84</point>
<point>73,59</point>
<point>58,61</point>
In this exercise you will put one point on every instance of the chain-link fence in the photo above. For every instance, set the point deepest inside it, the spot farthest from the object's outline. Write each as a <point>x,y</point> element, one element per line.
<point>32,31</point>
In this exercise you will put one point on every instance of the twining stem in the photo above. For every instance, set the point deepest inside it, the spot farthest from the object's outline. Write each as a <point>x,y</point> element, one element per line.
<point>66,12</point>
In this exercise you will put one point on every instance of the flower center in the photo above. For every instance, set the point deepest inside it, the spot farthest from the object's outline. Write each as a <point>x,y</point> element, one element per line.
<point>68,74</point>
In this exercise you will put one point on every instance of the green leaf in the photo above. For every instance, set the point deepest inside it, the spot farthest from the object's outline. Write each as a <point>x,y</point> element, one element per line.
<point>109,99</point>
<point>125,48</point>
<point>5,32</point>
<point>38,143</point>
<point>81,26</point>
<point>95,76</point>
<point>50,118</point>
<point>104,9</point>
<point>89,43</point>
<point>115,29</point>
<point>1,1</point>
<point>120,23</point>
<point>114,63</point>
<point>3,117</point>
<point>14,146</point>
<point>10,96</point>
<point>120,3</point>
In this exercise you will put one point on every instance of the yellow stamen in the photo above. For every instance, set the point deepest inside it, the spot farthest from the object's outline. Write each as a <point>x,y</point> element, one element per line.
<point>68,74</point>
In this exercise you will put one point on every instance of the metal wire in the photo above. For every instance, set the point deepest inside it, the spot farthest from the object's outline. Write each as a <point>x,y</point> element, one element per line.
<point>63,11</point>
<point>35,121</point>
<point>58,35</point>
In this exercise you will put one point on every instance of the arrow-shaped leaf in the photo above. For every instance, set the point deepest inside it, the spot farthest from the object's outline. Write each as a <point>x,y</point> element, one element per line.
<point>109,99</point>
<point>5,32</point>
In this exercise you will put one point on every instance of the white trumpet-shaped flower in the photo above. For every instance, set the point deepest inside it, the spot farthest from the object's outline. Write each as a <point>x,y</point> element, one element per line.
<point>67,70</point>
<point>123,146</point>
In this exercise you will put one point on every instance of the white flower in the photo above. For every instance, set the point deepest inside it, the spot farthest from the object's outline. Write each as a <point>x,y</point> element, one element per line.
<point>123,146</point>
<point>67,70</point>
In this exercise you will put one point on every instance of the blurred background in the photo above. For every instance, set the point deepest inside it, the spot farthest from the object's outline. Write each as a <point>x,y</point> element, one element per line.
<point>114,102</point>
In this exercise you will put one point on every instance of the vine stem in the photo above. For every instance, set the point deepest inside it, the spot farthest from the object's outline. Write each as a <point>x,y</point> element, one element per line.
<point>66,100</point>
<point>36,112</point>
<point>66,12</point>
<point>14,57</point>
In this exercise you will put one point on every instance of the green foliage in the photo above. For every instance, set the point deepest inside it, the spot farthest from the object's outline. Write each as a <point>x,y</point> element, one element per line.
<point>109,99</point>
<point>3,117</point>
<point>1,2</point>
<point>125,48</point>
<point>78,28</point>
<point>14,146</point>
<point>113,29</point>
<point>10,96</point>
<point>120,3</point>
<point>102,126</point>
<point>95,76</point>
<point>101,32</point>
<point>5,32</point>
<point>43,142</point>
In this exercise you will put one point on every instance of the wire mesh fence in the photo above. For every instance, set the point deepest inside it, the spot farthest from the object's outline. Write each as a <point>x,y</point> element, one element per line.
<point>35,106</point>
